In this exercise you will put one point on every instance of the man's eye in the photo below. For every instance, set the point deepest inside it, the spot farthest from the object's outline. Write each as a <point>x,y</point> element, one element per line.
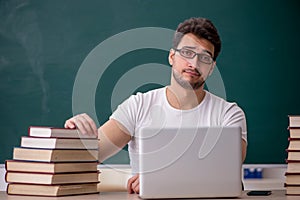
<point>187,53</point>
<point>205,59</point>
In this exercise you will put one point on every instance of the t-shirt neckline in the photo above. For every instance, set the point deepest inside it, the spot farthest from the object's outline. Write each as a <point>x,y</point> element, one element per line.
<point>206,96</point>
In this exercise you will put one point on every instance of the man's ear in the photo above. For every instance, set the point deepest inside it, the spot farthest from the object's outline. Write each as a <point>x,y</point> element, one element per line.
<point>212,68</point>
<point>171,56</point>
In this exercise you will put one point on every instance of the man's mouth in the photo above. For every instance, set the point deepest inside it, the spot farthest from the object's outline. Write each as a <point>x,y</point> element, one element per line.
<point>192,72</point>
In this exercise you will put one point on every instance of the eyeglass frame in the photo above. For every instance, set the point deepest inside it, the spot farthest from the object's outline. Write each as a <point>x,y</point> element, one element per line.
<point>195,54</point>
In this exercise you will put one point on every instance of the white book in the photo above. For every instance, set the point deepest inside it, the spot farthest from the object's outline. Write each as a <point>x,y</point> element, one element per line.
<point>39,131</point>
<point>59,143</point>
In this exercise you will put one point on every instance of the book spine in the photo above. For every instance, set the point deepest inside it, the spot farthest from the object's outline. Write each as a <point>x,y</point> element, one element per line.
<point>54,173</point>
<point>293,127</point>
<point>293,185</point>
<point>65,184</point>
<point>292,173</point>
<point>5,164</point>
<point>7,189</point>
<point>292,150</point>
<point>292,161</point>
<point>5,178</point>
<point>293,139</point>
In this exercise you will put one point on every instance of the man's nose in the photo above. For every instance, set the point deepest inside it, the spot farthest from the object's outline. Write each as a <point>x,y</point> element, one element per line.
<point>193,63</point>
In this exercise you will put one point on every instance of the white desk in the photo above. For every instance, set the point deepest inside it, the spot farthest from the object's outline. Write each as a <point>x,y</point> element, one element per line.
<point>276,195</point>
<point>115,177</point>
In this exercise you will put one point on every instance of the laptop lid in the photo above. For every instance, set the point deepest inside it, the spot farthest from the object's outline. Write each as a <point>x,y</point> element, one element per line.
<point>190,162</point>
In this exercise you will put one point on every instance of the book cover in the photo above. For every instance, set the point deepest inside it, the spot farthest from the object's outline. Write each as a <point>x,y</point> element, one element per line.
<point>59,143</point>
<point>51,179</point>
<point>55,155</point>
<point>292,178</point>
<point>294,120</point>
<point>294,132</point>
<point>44,167</point>
<point>293,154</point>
<point>292,189</point>
<point>40,131</point>
<point>52,190</point>
<point>293,166</point>
<point>294,143</point>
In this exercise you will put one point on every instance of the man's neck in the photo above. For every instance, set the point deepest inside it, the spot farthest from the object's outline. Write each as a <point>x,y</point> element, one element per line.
<point>184,99</point>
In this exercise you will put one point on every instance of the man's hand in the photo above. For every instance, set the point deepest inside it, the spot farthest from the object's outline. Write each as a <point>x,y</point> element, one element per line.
<point>133,184</point>
<point>84,123</point>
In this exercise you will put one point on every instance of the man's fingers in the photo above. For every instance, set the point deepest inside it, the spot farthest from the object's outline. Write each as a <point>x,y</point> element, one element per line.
<point>81,124</point>
<point>129,183</point>
<point>90,122</point>
<point>137,189</point>
<point>69,124</point>
<point>84,123</point>
<point>133,184</point>
<point>136,186</point>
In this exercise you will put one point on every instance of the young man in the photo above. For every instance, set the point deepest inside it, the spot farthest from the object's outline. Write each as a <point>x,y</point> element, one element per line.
<point>184,102</point>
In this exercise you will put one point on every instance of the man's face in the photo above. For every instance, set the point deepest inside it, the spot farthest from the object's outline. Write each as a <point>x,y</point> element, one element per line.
<point>191,73</point>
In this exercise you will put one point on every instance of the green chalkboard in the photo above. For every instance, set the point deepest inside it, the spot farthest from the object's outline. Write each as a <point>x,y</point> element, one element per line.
<point>45,47</point>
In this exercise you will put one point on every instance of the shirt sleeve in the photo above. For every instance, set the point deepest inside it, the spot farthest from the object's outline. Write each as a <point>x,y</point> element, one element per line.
<point>126,114</point>
<point>235,116</point>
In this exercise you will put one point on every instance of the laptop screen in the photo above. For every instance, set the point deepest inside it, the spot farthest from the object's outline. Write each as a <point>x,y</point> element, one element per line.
<point>190,162</point>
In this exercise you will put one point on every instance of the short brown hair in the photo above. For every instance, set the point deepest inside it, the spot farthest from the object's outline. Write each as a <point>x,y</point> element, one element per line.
<point>202,28</point>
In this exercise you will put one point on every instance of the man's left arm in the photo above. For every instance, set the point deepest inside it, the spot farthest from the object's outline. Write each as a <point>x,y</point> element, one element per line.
<point>235,116</point>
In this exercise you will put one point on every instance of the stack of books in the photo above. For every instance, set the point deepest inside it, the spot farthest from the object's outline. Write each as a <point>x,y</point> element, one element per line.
<point>292,182</point>
<point>53,162</point>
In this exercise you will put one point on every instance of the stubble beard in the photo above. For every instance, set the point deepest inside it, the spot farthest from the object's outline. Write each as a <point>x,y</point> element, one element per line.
<point>186,84</point>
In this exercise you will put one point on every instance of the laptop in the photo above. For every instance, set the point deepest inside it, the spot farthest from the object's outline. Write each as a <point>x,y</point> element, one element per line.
<point>198,162</point>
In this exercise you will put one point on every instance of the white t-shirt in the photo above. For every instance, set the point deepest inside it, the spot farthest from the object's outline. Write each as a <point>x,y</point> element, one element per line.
<point>153,109</point>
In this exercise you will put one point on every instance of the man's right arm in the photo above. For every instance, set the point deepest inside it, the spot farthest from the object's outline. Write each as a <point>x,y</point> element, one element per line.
<point>112,135</point>
<point>112,138</point>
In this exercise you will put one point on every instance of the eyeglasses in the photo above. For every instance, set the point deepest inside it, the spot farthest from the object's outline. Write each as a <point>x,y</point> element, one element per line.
<point>190,54</point>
